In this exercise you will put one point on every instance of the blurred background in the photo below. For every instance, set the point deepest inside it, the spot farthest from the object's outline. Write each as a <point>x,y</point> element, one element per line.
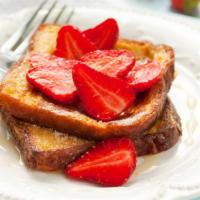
<point>185,10</point>
<point>189,7</point>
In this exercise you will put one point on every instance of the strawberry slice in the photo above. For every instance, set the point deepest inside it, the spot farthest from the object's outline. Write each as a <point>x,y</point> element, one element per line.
<point>72,44</point>
<point>142,77</point>
<point>41,60</point>
<point>103,97</point>
<point>115,63</point>
<point>109,163</point>
<point>104,35</point>
<point>53,77</point>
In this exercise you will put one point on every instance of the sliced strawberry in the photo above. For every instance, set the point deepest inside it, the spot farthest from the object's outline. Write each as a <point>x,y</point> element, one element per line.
<point>53,77</point>
<point>103,97</point>
<point>115,63</point>
<point>109,163</point>
<point>142,77</point>
<point>72,44</point>
<point>104,35</point>
<point>41,60</point>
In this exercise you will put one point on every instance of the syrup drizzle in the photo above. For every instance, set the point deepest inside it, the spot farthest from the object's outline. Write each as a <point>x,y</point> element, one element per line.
<point>146,163</point>
<point>191,124</point>
<point>7,144</point>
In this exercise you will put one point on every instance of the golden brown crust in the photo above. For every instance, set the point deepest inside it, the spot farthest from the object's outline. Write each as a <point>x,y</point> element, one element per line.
<point>46,149</point>
<point>22,101</point>
<point>42,148</point>
<point>164,133</point>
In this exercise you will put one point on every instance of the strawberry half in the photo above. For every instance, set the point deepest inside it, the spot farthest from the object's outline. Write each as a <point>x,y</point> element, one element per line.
<point>53,77</point>
<point>41,60</point>
<point>103,97</point>
<point>104,35</point>
<point>72,44</point>
<point>109,163</point>
<point>142,77</point>
<point>115,63</point>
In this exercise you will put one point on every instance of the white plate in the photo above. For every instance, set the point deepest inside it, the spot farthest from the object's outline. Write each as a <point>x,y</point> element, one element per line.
<point>173,174</point>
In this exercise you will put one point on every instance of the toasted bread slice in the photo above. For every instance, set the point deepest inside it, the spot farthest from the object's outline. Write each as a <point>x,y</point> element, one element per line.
<point>21,100</point>
<point>46,149</point>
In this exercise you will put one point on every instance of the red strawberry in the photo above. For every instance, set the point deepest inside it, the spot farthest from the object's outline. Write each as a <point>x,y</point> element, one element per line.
<point>144,76</point>
<point>104,35</point>
<point>72,44</point>
<point>103,97</point>
<point>109,163</point>
<point>41,60</point>
<point>53,77</point>
<point>116,63</point>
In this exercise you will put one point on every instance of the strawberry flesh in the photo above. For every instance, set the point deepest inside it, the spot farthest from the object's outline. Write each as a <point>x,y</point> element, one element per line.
<point>72,44</point>
<point>142,77</point>
<point>103,97</point>
<point>104,35</point>
<point>109,163</point>
<point>53,77</point>
<point>115,63</point>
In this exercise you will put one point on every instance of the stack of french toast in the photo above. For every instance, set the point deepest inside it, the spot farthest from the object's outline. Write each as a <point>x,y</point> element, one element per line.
<point>51,134</point>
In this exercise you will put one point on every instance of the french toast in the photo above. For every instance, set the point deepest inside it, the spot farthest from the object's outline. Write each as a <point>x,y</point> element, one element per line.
<point>22,101</point>
<point>47,150</point>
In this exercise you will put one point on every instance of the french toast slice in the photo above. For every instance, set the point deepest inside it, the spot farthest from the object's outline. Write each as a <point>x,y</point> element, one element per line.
<point>22,101</point>
<point>47,150</point>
